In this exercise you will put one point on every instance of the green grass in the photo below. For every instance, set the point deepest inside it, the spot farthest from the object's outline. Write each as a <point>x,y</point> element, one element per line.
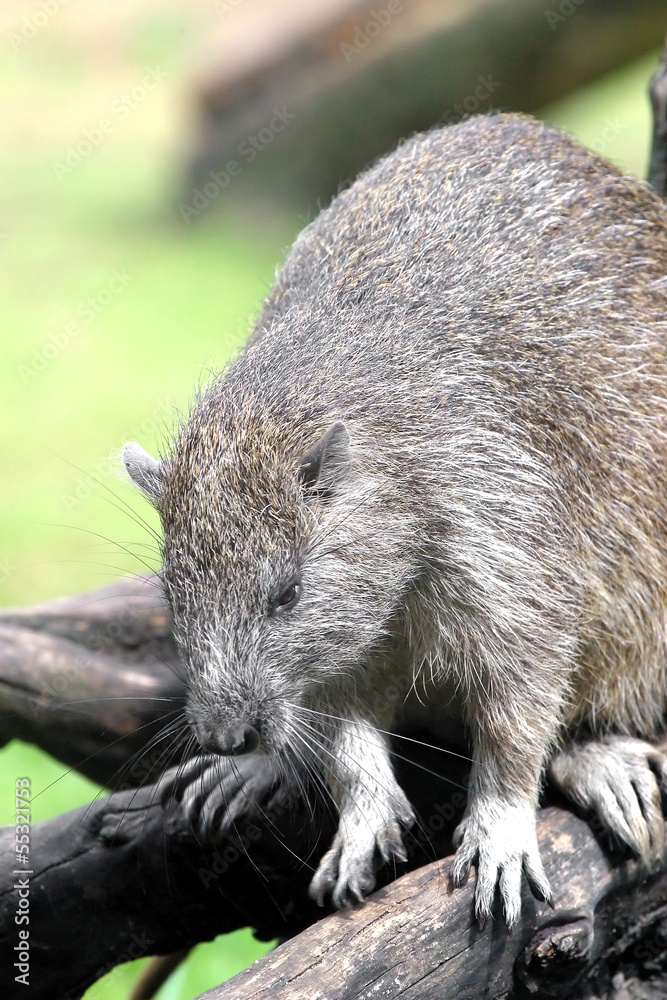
<point>188,297</point>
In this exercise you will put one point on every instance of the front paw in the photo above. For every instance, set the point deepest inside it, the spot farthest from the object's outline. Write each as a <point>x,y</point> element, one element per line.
<point>216,792</point>
<point>500,839</point>
<point>347,870</point>
<point>619,779</point>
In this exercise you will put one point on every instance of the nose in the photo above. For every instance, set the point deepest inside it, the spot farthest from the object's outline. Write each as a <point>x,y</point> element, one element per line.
<point>233,742</point>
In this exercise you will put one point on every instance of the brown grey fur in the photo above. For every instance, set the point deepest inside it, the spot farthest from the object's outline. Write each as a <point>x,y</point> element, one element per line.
<point>485,312</point>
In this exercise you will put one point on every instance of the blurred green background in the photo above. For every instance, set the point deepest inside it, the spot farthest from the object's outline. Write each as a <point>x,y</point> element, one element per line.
<point>113,310</point>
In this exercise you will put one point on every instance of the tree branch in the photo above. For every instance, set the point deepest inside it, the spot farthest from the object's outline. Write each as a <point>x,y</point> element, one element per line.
<point>92,679</point>
<point>351,82</point>
<point>657,174</point>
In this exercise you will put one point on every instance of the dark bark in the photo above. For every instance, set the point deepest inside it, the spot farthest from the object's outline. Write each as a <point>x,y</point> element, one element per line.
<point>125,877</point>
<point>657,174</point>
<point>414,941</point>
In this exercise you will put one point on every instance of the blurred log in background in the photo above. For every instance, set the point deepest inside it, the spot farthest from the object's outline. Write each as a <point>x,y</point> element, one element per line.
<point>299,99</point>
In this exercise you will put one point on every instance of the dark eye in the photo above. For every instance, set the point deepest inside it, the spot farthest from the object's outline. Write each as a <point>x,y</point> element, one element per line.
<point>288,597</point>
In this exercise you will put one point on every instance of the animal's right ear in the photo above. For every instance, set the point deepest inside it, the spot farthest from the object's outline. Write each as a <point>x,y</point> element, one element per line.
<point>325,465</point>
<point>144,471</point>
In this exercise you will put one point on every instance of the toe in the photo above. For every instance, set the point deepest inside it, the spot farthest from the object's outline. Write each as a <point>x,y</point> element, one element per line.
<point>324,878</point>
<point>609,808</point>
<point>175,782</point>
<point>390,844</point>
<point>650,815</point>
<point>536,877</point>
<point>459,872</point>
<point>635,822</point>
<point>485,888</point>
<point>212,815</point>
<point>459,834</point>
<point>509,884</point>
<point>658,762</point>
<point>196,793</point>
<point>351,889</point>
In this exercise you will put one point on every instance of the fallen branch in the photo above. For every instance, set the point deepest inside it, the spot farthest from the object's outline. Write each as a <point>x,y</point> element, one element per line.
<point>125,877</point>
<point>92,679</point>
<point>352,78</point>
<point>412,939</point>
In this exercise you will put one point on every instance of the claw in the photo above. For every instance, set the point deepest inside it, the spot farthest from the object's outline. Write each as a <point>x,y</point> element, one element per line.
<point>215,792</point>
<point>324,878</point>
<point>391,847</point>
<point>459,875</point>
<point>537,879</point>
<point>176,781</point>
<point>348,867</point>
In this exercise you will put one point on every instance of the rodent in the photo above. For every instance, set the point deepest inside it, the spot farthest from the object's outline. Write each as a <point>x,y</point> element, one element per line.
<point>441,461</point>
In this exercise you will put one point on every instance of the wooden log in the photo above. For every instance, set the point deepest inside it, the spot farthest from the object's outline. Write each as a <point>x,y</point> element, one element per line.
<point>93,679</point>
<point>415,941</point>
<point>129,867</point>
<point>125,878</point>
<point>350,82</point>
<point>657,173</point>
<point>128,877</point>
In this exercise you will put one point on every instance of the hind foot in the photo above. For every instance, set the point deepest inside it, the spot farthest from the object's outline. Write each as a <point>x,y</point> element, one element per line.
<point>620,779</point>
<point>216,792</point>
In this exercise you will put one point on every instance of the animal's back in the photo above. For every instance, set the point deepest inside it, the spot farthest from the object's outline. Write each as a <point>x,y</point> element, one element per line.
<point>496,257</point>
<point>496,237</point>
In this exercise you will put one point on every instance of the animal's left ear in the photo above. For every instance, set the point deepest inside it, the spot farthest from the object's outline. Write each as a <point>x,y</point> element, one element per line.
<point>325,465</point>
<point>144,470</point>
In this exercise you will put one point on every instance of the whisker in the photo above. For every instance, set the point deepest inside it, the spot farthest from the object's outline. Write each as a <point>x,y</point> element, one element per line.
<point>120,504</point>
<point>96,534</point>
<point>386,732</point>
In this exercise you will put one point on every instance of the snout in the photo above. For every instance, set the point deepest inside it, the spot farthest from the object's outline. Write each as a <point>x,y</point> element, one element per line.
<point>232,742</point>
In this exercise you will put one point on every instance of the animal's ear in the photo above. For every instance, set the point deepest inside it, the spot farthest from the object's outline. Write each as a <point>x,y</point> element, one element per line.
<point>325,465</point>
<point>144,470</point>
